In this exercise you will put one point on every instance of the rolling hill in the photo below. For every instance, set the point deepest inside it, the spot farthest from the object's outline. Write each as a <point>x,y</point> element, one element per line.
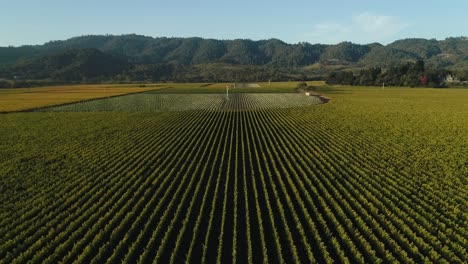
<point>133,57</point>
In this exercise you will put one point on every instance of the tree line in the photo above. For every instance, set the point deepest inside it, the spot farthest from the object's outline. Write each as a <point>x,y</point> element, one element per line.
<point>408,75</point>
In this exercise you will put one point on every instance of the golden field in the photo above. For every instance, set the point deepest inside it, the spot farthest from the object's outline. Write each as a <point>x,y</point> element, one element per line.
<point>20,99</point>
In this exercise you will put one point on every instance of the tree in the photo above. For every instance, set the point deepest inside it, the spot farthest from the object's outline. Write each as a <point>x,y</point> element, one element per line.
<point>419,66</point>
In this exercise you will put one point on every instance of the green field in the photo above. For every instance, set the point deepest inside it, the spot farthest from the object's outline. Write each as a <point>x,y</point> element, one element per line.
<point>372,176</point>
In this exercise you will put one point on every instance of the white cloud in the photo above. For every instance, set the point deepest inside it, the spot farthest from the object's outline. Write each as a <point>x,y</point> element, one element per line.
<point>362,28</point>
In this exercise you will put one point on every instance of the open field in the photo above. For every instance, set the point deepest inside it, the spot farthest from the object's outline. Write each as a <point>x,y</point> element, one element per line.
<point>24,98</point>
<point>373,176</point>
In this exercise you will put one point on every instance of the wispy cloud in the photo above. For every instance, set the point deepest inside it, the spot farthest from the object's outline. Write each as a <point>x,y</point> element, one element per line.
<point>362,28</point>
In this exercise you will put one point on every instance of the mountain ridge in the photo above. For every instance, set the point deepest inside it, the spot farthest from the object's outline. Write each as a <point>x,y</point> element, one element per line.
<point>274,55</point>
<point>196,50</point>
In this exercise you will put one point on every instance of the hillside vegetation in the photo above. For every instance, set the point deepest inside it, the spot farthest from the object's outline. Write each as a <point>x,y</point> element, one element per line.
<point>139,58</point>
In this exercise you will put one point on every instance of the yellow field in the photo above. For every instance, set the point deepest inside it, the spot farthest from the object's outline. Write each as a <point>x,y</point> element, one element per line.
<point>31,98</point>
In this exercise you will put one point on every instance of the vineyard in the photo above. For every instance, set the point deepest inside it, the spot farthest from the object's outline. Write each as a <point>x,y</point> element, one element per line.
<point>370,177</point>
<point>183,102</point>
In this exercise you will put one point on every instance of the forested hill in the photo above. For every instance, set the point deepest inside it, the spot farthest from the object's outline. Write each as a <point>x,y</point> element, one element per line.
<point>190,51</point>
<point>185,51</point>
<point>142,57</point>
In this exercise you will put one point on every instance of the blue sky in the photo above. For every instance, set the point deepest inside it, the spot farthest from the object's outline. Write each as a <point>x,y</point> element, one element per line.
<point>329,22</point>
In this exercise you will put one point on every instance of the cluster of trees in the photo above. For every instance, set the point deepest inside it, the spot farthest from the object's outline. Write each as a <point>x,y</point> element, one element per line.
<point>29,83</point>
<point>409,74</point>
<point>70,66</point>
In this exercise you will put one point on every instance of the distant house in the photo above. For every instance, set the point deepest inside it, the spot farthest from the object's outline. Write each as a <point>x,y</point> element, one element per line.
<point>451,79</point>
